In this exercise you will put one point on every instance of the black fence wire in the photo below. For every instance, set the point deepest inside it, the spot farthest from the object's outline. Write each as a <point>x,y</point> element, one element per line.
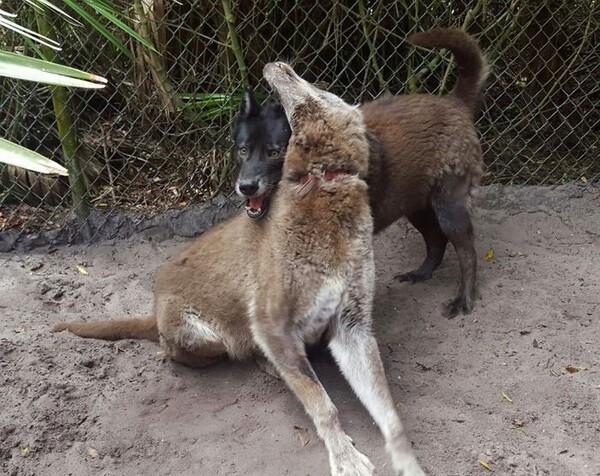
<point>157,137</point>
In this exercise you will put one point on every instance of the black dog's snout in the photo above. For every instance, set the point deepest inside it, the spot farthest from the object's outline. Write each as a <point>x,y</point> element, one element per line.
<point>248,187</point>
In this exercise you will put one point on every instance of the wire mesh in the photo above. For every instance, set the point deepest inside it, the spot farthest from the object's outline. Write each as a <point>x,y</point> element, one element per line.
<point>157,137</point>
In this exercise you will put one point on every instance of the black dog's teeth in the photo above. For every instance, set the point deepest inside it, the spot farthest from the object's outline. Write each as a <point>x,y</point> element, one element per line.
<point>254,213</point>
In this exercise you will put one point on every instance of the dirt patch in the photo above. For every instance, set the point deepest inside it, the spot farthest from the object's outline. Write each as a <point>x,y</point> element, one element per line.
<point>515,385</point>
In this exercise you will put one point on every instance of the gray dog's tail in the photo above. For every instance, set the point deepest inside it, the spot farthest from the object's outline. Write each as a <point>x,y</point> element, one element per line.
<point>132,328</point>
<point>472,71</point>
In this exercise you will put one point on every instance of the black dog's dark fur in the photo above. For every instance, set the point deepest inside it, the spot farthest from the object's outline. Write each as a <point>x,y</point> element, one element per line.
<point>261,135</point>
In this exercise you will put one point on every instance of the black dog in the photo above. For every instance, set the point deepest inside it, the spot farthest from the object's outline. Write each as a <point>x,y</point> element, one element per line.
<point>261,135</point>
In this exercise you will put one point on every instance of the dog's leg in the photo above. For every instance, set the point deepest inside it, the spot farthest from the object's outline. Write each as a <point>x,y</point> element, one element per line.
<point>426,222</point>
<point>184,337</point>
<point>288,355</point>
<point>203,356</point>
<point>266,366</point>
<point>355,349</point>
<point>455,221</point>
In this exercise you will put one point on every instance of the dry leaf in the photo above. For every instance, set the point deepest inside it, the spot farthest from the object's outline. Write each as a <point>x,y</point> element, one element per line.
<point>572,369</point>
<point>25,450</point>
<point>489,256</point>
<point>82,269</point>
<point>485,464</point>
<point>423,367</point>
<point>302,434</point>
<point>92,452</point>
<point>506,397</point>
<point>584,179</point>
<point>518,422</point>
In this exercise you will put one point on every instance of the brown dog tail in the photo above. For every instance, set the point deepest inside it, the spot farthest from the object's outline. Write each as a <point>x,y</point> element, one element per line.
<point>132,328</point>
<point>472,71</point>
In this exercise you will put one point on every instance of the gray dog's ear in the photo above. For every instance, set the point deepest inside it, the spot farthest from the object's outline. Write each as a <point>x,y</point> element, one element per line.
<point>249,106</point>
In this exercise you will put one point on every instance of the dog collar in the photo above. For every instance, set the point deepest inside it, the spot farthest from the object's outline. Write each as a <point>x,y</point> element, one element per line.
<point>311,180</point>
<point>326,175</point>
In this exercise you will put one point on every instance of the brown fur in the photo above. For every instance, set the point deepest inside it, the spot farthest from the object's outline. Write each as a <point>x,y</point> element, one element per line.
<point>426,161</point>
<point>272,286</point>
<point>472,71</point>
<point>131,328</point>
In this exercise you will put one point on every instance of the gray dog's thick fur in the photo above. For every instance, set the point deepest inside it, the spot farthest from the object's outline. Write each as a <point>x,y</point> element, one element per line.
<point>275,285</point>
<point>425,161</point>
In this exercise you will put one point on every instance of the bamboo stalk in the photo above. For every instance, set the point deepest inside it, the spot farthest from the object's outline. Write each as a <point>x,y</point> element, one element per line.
<point>515,125</point>
<point>66,129</point>
<point>372,51</point>
<point>170,102</point>
<point>559,81</point>
<point>226,54</point>
<point>235,43</point>
<point>412,86</point>
<point>506,33</point>
<point>471,14</point>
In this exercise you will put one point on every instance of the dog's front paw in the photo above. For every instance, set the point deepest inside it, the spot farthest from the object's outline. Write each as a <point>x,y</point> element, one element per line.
<point>460,304</point>
<point>404,460</point>
<point>412,277</point>
<point>266,366</point>
<point>348,461</point>
<point>408,468</point>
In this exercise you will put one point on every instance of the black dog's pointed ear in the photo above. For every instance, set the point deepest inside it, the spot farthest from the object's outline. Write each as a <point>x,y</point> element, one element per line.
<point>249,106</point>
<point>280,111</point>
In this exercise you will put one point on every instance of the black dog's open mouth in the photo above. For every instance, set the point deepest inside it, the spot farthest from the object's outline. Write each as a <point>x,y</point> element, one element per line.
<point>257,207</point>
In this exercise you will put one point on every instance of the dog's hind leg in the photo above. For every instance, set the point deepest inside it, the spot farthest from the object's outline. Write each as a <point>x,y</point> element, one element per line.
<point>184,337</point>
<point>435,241</point>
<point>452,210</point>
<point>355,350</point>
<point>289,357</point>
<point>201,356</point>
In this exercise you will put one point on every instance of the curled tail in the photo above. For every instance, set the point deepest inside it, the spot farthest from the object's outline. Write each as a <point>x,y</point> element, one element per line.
<point>132,328</point>
<point>472,70</point>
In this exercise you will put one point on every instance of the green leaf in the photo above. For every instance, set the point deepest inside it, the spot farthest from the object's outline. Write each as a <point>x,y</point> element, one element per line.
<point>110,13</point>
<point>17,66</point>
<point>37,4</point>
<point>100,28</point>
<point>27,33</point>
<point>7,14</point>
<point>14,154</point>
<point>21,60</point>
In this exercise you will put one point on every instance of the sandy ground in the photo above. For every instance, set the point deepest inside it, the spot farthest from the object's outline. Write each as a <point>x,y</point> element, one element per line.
<point>491,387</point>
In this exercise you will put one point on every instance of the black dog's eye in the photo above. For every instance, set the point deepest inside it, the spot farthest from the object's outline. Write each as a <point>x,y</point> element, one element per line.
<point>243,150</point>
<point>273,153</point>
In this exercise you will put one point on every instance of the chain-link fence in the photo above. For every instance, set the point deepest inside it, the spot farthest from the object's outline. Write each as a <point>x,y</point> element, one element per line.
<point>157,137</point>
